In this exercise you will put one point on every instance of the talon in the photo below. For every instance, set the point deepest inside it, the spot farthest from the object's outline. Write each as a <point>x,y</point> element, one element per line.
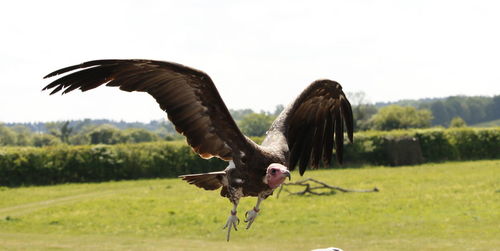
<point>250,216</point>
<point>236,224</point>
<point>232,222</point>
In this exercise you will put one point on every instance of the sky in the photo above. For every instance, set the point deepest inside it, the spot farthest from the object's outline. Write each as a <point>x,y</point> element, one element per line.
<point>258,53</point>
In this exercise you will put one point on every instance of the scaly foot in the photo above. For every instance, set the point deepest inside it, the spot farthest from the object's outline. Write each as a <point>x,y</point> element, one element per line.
<point>250,216</point>
<point>232,221</point>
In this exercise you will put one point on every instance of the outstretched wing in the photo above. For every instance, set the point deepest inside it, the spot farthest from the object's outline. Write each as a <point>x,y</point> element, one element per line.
<point>189,97</point>
<point>314,123</point>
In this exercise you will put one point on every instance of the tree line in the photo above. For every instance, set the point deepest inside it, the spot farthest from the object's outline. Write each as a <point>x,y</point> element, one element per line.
<point>472,109</point>
<point>62,133</point>
<point>103,131</point>
<point>446,112</point>
<point>457,111</point>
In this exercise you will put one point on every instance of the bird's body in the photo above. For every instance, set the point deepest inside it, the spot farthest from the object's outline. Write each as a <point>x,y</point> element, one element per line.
<point>304,134</point>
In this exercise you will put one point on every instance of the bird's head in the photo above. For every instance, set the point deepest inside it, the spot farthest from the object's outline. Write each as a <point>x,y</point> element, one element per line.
<point>276,175</point>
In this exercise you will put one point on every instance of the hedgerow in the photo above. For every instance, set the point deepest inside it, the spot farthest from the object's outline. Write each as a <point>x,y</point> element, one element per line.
<point>93,163</point>
<point>435,144</point>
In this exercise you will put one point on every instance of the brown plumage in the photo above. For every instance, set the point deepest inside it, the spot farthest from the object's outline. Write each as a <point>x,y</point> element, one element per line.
<point>304,134</point>
<point>187,95</point>
<point>313,124</point>
<point>207,181</point>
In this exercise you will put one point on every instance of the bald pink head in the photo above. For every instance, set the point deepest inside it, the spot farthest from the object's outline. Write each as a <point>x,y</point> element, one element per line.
<point>276,175</point>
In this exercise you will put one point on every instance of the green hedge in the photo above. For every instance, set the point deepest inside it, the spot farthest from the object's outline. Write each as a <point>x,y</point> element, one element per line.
<point>436,144</point>
<point>61,164</point>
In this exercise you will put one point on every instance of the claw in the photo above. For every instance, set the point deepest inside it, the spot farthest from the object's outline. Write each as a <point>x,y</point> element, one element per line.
<point>250,216</point>
<point>232,222</point>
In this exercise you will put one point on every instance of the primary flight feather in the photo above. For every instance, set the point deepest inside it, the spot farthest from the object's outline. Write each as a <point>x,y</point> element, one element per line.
<point>304,134</point>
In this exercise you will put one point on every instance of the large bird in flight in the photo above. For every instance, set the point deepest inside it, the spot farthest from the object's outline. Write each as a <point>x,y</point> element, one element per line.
<point>303,135</point>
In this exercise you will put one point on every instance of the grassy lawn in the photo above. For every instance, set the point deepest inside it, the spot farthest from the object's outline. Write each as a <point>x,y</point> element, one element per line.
<point>491,123</point>
<point>448,206</point>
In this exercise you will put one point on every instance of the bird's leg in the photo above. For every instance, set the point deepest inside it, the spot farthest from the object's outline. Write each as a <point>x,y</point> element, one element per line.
<point>252,214</point>
<point>232,220</point>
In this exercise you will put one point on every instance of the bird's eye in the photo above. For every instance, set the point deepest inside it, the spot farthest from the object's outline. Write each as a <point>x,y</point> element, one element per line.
<point>273,171</point>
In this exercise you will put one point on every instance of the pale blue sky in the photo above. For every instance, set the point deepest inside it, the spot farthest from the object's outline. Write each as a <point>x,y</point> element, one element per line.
<point>259,53</point>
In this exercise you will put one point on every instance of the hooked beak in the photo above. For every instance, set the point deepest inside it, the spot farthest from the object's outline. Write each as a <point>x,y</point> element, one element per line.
<point>286,173</point>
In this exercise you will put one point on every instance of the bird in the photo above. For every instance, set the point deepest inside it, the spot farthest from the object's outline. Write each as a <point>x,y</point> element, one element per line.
<point>303,135</point>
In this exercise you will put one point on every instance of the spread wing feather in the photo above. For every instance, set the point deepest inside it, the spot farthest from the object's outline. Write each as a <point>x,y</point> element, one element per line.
<point>189,97</point>
<point>314,124</point>
<point>207,181</point>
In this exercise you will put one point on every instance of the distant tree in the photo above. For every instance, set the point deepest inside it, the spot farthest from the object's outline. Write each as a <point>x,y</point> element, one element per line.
<point>82,138</point>
<point>399,117</point>
<point>239,114</point>
<point>279,108</point>
<point>136,135</point>
<point>440,113</point>
<point>362,110</point>
<point>457,122</point>
<point>169,127</point>
<point>106,134</point>
<point>7,136</point>
<point>477,108</point>
<point>44,139</point>
<point>82,125</point>
<point>357,98</point>
<point>255,124</point>
<point>457,107</point>
<point>62,130</point>
<point>472,110</point>
<point>493,108</point>
<point>24,136</point>
<point>362,115</point>
<point>165,129</point>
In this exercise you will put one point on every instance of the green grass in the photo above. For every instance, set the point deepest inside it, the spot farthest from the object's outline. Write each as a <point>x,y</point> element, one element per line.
<point>491,123</point>
<point>448,206</point>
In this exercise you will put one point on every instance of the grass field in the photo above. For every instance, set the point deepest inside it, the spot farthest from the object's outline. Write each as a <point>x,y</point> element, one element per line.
<point>491,123</point>
<point>448,206</point>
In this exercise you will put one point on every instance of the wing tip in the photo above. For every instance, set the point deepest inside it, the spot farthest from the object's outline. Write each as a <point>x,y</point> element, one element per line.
<point>302,171</point>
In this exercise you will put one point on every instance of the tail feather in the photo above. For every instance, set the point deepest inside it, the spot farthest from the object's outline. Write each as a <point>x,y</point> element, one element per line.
<point>207,181</point>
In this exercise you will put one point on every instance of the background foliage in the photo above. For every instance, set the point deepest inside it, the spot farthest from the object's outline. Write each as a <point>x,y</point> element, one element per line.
<point>63,163</point>
<point>457,111</point>
<point>98,150</point>
<point>472,109</point>
<point>401,117</point>
<point>435,145</point>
